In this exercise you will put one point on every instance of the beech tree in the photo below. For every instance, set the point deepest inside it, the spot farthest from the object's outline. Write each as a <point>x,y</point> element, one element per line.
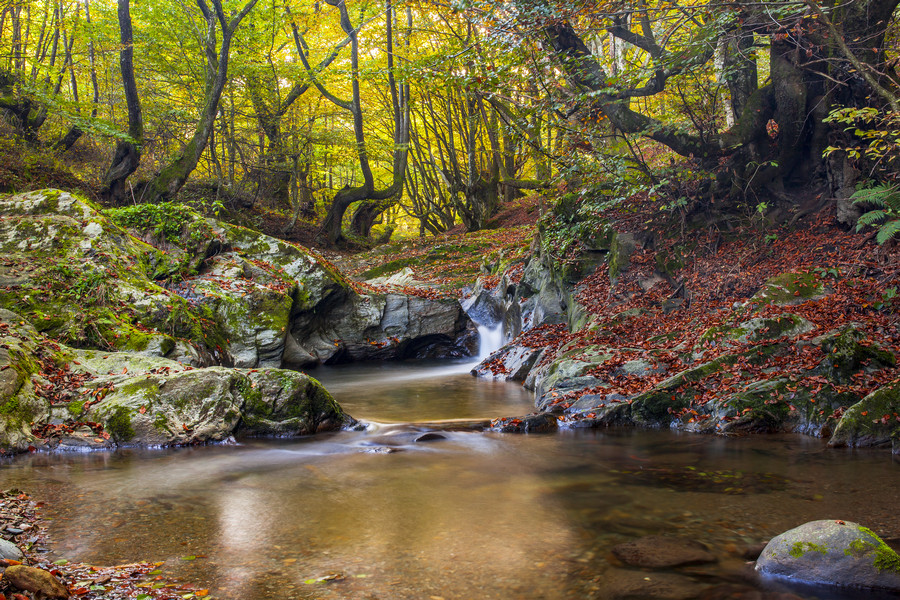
<point>377,199</point>
<point>785,66</point>
<point>166,184</point>
<point>128,149</point>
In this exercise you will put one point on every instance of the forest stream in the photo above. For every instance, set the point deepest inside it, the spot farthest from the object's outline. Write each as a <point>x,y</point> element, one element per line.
<point>376,514</point>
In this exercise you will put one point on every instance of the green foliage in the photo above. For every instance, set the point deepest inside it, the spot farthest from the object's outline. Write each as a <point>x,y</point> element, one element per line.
<point>886,216</point>
<point>875,137</point>
<point>576,221</point>
<point>167,221</point>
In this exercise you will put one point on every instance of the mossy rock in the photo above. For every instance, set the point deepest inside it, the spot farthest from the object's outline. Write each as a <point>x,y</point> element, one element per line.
<point>832,552</point>
<point>757,330</point>
<point>196,406</point>
<point>287,403</point>
<point>790,288</point>
<point>20,406</point>
<point>848,352</point>
<point>777,405</point>
<point>655,407</point>
<point>621,249</point>
<point>872,421</point>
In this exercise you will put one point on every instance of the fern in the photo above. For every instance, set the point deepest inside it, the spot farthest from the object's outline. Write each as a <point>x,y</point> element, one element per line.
<point>887,231</point>
<point>885,218</point>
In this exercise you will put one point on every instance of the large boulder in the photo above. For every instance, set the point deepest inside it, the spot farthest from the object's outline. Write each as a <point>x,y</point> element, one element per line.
<point>873,421</point>
<point>838,553</point>
<point>56,397</point>
<point>20,406</point>
<point>163,403</point>
<point>163,280</point>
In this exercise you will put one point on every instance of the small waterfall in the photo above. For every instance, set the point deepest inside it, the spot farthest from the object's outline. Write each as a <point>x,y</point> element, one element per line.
<point>490,339</point>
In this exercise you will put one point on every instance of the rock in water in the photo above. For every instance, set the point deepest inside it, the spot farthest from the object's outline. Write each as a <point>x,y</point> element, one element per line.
<point>660,552</point>
<point>35,580</point>
<point>838,553</point>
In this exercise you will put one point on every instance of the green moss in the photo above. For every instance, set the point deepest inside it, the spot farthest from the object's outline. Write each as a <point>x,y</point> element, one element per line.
<point>885,557</point>
<point>253,397</point>
<point>801,548</point>
<point>161,423</point>
<point>15,412</point>
<point>388,267</point>
<point>118,424</point>
<point>789,288</point>
<point>75,408</point>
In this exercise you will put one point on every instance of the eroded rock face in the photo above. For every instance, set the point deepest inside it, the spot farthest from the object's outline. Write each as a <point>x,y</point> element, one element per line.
<point>351,327</point>
<point>832,552</point>
<point>214,294</point>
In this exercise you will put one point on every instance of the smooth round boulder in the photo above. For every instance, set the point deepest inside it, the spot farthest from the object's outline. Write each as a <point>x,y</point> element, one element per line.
<point>832,552</point>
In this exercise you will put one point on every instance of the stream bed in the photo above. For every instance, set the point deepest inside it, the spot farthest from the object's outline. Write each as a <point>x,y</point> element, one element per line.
<point>375,514</point>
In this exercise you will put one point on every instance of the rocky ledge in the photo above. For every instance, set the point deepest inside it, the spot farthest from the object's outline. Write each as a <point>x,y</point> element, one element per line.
<point>616,343</point>
<point>152,325</point>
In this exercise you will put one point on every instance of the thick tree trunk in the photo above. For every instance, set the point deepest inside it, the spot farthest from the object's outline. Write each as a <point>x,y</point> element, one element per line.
<point>128,151</point>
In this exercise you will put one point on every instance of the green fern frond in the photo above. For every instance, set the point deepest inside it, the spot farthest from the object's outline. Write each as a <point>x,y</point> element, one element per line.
<point>887,231</point>
<point>884,195</point>
<point>873,218</point>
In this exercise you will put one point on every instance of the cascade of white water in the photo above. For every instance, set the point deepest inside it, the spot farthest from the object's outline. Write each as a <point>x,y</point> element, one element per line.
<point>490,339</point>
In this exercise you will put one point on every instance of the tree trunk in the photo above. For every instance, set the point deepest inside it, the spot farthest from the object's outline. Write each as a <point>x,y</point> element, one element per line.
<point>128,151</point>
<point>169,181</point>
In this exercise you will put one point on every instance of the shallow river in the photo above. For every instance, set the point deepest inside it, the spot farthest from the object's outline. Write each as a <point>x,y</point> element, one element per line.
<point>472,516</point>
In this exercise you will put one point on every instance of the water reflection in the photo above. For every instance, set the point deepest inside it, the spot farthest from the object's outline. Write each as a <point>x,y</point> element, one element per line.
<point>375,514</point>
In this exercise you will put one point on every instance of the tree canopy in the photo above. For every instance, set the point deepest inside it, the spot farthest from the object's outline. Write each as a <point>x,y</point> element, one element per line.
<point>347,110</point>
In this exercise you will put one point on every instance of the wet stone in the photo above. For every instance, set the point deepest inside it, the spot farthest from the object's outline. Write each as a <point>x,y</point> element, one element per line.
<point>9,551</point>
<point>379,450</point>
<point>620,584</point>
<point>430,437</point>
<point>660,552</point>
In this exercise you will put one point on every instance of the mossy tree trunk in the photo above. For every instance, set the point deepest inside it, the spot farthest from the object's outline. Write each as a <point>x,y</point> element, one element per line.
<point>779,135</point>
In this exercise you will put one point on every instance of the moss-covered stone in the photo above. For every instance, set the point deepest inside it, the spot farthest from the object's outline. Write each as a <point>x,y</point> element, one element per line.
<point>873,421</point>
<point>848,352</point>
<point>118,424</point>
<point>832,552</point>
<point>790,288</point>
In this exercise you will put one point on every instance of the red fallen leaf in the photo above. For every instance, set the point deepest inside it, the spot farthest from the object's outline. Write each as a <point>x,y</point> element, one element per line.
<point>142,409</point>
<point>80,591</point>
<point>864,413</point>
<point>124,370</point>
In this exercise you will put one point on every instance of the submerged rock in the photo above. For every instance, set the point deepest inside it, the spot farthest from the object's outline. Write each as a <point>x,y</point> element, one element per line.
<point>620,584</point>
<point>661,552</point>
<point>830,552</point>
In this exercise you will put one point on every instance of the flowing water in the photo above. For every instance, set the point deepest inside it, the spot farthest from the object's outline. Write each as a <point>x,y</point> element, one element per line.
<point>375,514</point>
